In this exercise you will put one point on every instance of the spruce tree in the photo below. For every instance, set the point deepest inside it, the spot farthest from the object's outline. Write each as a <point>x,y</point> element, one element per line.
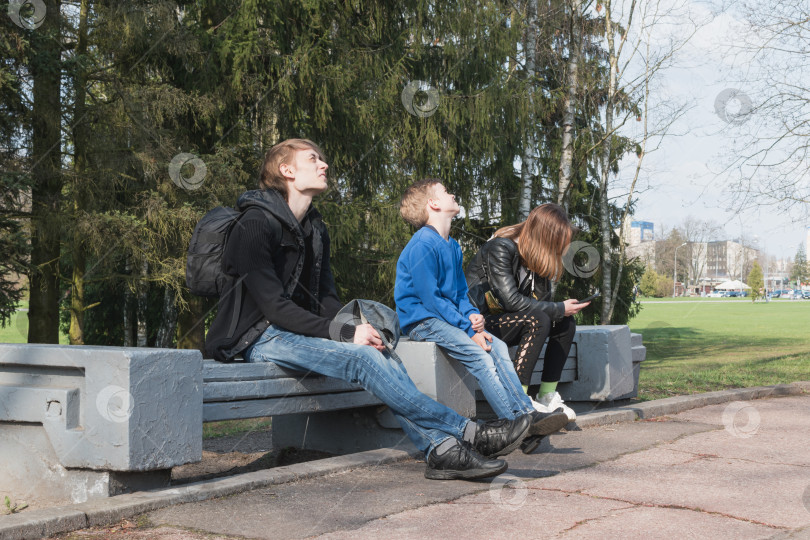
<point>755,281</point>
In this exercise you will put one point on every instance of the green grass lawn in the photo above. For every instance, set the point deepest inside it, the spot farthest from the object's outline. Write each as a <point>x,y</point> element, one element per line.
<point>646,299</point>
<point>17,330</point>
<point>713,344</point>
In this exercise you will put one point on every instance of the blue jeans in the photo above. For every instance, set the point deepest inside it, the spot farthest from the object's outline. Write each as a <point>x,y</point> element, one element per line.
<point>493,370</point>
<point>427,422</point>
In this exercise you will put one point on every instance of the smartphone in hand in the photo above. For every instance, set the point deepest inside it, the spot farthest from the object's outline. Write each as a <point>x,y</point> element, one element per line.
<point>597,294</point>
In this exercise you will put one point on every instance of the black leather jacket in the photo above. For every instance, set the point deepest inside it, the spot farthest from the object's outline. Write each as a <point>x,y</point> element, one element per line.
<point>496,267</point>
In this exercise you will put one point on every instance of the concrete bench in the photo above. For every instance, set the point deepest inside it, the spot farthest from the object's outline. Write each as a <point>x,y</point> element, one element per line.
<point>86,422</point>
<point>310,410</point>
<point>603,364</point>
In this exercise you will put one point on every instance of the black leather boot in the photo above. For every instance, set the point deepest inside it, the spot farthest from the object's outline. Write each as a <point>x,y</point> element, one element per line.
<point>500,437</point>
<point>461,462</point>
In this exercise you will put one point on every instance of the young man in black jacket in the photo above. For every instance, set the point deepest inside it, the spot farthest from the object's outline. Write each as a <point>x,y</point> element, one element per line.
<point>286,300</point>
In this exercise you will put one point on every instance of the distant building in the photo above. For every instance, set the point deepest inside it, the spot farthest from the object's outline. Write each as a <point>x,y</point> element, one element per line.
<point>639,241</point>
<point>728,260</point>
<point>639,232</point>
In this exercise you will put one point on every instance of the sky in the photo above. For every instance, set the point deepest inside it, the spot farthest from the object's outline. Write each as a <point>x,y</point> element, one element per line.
<point>684,177</point>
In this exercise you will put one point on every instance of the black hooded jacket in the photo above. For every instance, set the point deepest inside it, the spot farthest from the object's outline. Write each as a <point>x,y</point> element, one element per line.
<point>285,274</point>
<point>496,267</point>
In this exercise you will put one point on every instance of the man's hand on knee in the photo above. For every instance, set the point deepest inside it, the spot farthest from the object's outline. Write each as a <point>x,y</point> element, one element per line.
<point>365,334</point>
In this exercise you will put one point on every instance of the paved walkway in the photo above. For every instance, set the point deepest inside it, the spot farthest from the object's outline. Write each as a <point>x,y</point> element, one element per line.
<point>739,469</point>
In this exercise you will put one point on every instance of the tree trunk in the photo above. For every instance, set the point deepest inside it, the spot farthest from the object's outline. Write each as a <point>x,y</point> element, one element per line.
<point>80,167</point>
<point>129,319</point>
<point>604,205</point>
<point>567,155</point>
<point>43,314</point>
<point>191,325</point>
<point>168,320</point>
<point>527,161</point>
<point>141,339</point>
<point>626,213</point>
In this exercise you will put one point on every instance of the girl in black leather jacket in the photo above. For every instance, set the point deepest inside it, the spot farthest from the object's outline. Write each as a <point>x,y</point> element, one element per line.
<point>510,283</point>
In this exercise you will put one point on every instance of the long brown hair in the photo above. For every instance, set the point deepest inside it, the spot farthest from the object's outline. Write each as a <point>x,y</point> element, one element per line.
<point>542,239</point>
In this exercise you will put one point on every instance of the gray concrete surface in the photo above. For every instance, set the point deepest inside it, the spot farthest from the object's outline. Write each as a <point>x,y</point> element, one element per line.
<point>83,422</point>
<point>731,469</point>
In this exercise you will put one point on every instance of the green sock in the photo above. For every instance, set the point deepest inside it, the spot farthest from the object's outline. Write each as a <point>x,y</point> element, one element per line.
<point>547,387</point>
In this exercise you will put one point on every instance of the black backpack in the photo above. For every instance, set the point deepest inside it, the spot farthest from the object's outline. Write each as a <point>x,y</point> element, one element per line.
<point>204,273</point>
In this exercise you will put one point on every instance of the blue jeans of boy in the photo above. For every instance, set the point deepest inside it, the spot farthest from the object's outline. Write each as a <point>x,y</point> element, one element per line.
<point>427,422</point>
<point>493,370</point>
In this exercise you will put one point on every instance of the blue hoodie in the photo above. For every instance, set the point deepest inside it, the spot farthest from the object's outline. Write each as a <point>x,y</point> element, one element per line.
<point>430,282</point>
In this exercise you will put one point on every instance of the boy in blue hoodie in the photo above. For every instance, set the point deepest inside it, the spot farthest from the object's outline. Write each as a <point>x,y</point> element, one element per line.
<point>432,304</point>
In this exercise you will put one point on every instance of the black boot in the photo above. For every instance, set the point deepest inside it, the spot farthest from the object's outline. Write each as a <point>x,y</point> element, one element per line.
<point>547,423</point>
<point>499,437</point>
<point>461,461</point>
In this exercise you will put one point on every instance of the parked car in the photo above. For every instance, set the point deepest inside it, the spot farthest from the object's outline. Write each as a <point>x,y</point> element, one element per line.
<point>716,294</point>
<point>806,295</point>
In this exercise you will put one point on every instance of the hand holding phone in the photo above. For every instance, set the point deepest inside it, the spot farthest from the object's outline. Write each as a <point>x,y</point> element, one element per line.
<point>597,294</point>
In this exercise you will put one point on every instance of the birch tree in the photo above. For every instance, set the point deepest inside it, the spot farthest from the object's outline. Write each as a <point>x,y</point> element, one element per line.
<point>768,114</point>
<point>636,53</point>
<point>570,102</point>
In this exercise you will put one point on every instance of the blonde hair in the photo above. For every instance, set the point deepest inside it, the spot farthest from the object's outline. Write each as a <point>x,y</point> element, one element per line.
<point>542,239</point>
<point>413,205</point>
<point>270,176</point>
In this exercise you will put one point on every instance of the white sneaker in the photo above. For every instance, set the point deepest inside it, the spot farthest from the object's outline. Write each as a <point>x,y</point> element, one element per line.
<point>552,401</point>
<point>540,407</point>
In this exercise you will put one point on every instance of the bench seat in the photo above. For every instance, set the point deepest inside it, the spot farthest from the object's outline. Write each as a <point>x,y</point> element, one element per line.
<point>243,390</point>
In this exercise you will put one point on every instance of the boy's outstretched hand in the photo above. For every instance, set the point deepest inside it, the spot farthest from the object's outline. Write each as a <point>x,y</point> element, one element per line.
<point>477,321</point>
<point>483,339</point>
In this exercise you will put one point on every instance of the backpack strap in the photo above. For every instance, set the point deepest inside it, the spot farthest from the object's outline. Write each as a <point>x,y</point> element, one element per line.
<point>275,226</point>
<point>237,307</point>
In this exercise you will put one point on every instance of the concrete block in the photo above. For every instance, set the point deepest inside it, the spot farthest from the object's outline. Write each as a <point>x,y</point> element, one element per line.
<point>438,376</point>
<point>639,354</point>
<point>31,471</point>
<point>96,421</point>
<point>604,364</point>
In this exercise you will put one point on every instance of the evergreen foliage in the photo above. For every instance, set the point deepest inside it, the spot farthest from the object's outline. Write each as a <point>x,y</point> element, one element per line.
<point>756,281</point>
<point>146,81</point>
<point>15,130</point>
<point>800,274</point>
